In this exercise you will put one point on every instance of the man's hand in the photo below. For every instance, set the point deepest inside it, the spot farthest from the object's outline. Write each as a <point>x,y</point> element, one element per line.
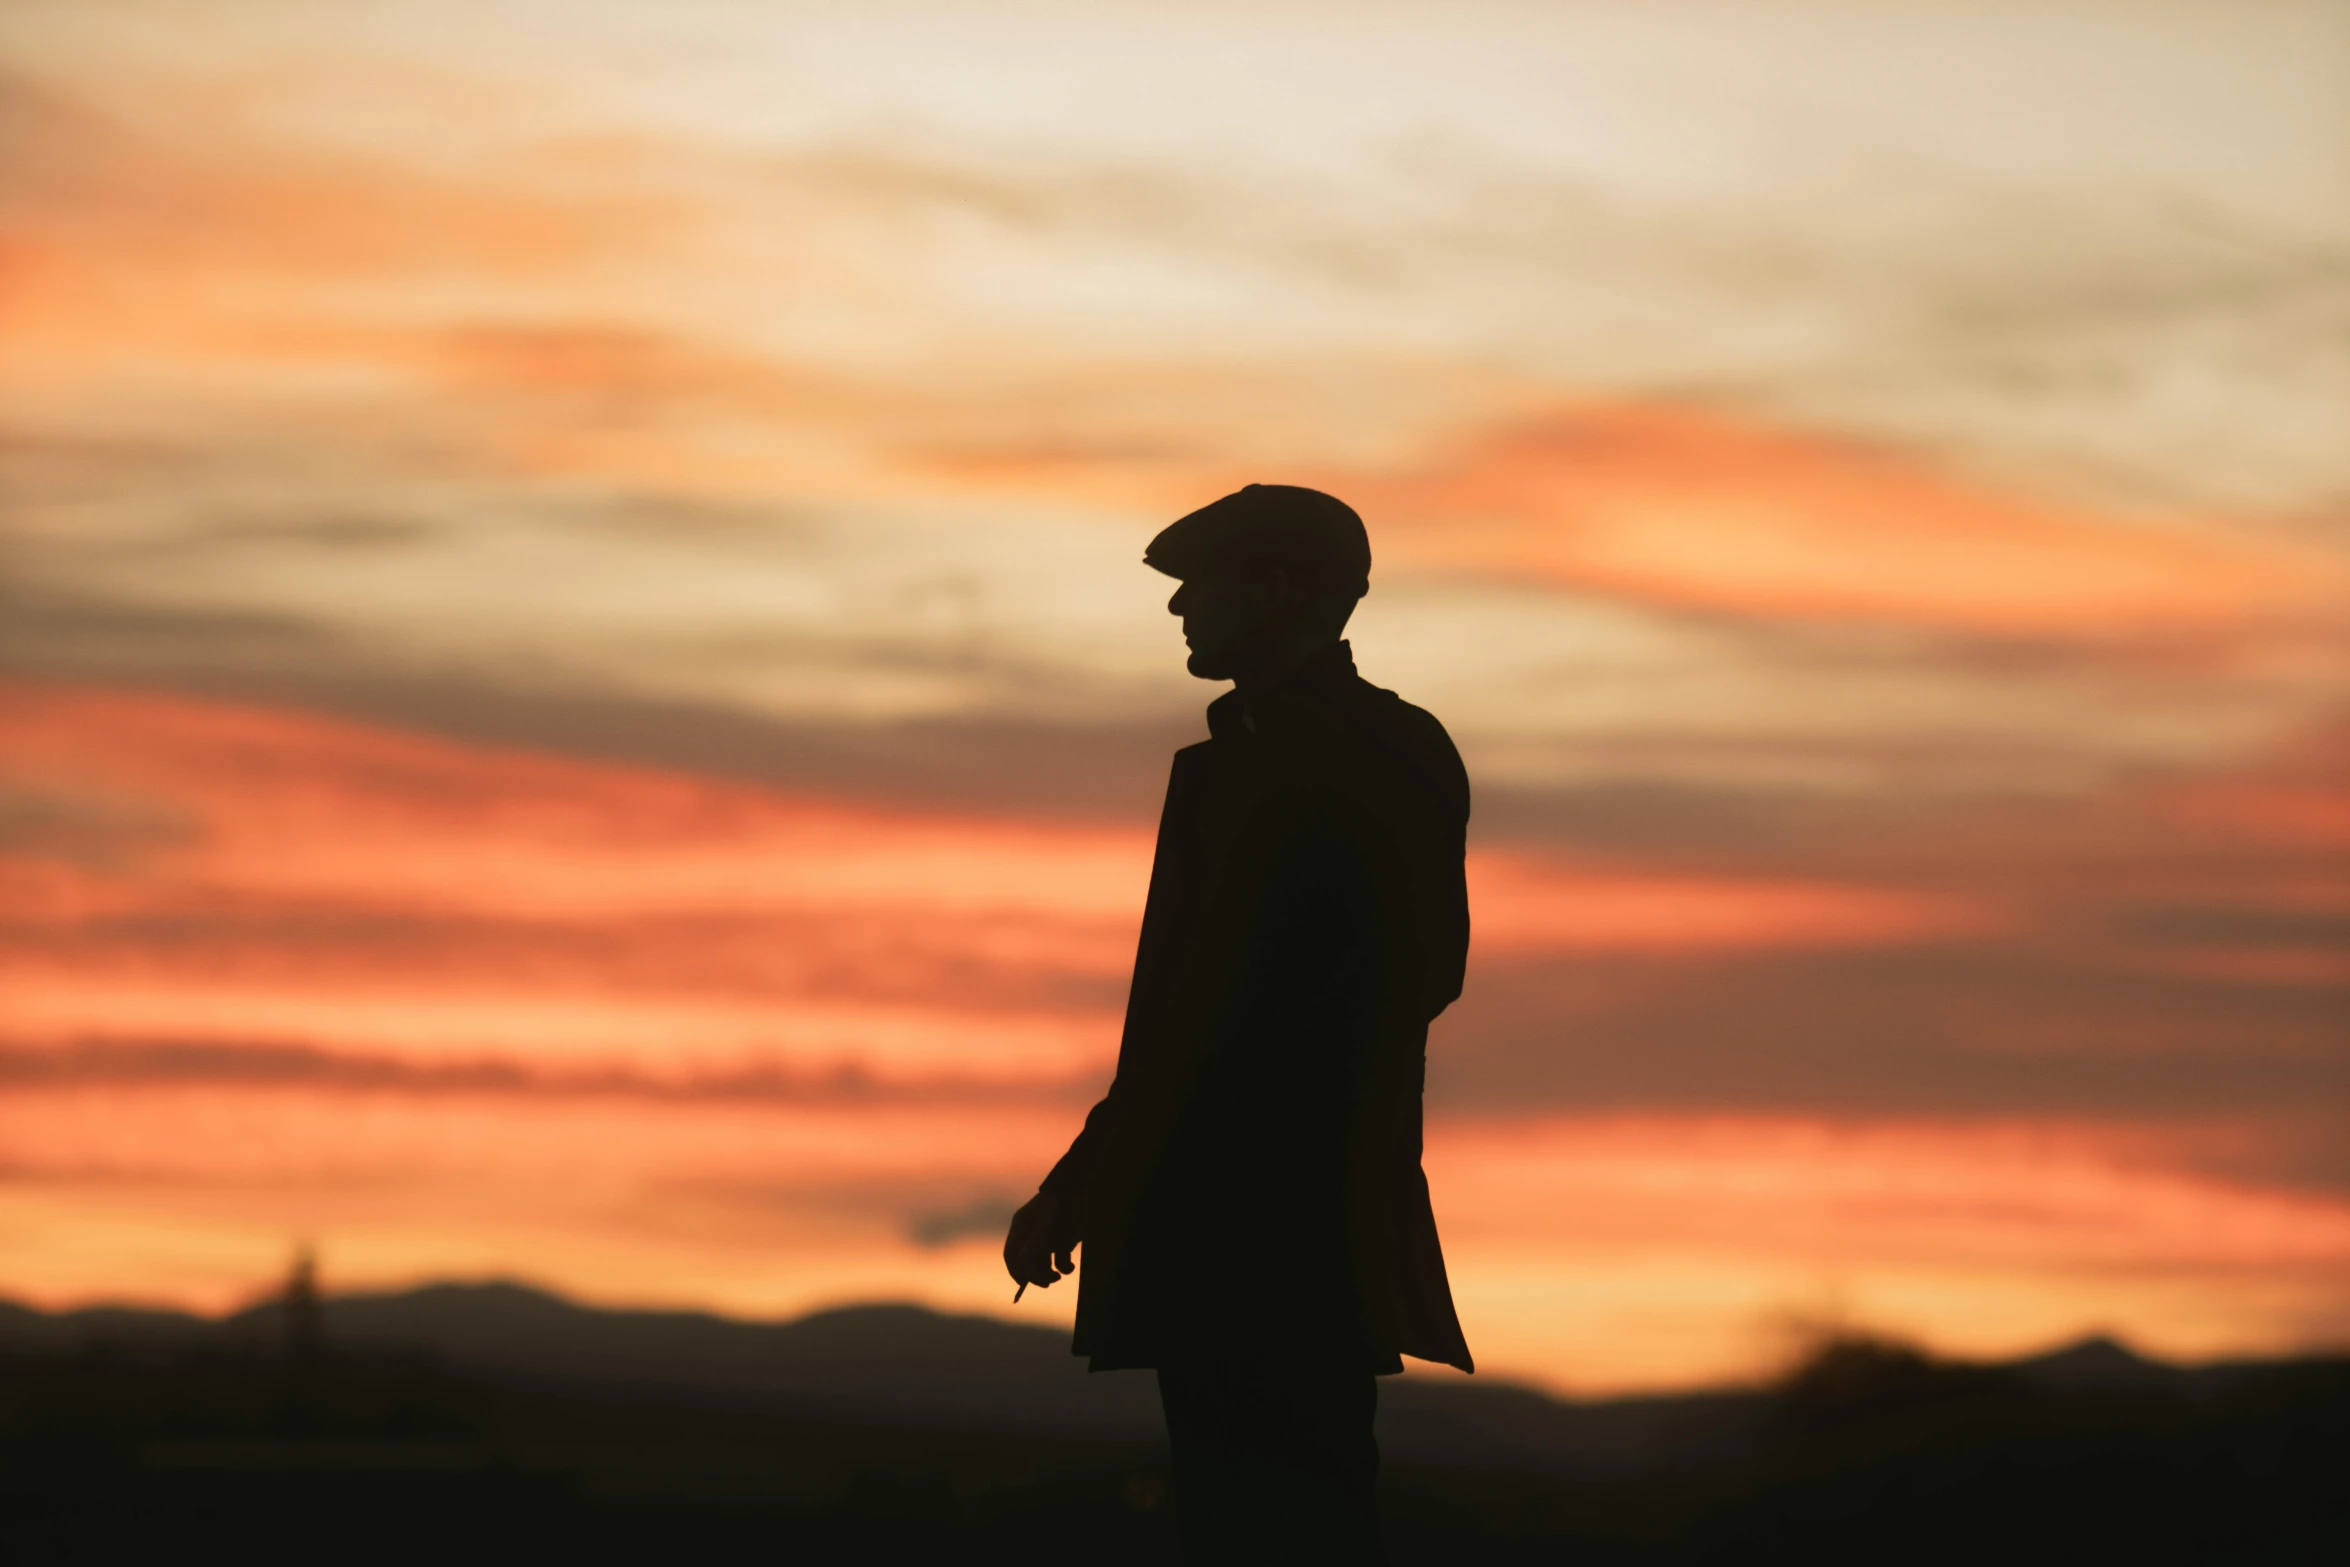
<point>1037,1248</point>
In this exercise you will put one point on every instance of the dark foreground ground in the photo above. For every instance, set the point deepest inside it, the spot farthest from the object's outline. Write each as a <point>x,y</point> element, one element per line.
<point>492,1424</point>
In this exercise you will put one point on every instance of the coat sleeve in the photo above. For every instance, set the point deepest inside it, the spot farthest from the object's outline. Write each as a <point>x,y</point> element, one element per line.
<point>1071,1177</point>
<point>1426,828</point>
<point>1444,889</point>
<point>1073,1172</point>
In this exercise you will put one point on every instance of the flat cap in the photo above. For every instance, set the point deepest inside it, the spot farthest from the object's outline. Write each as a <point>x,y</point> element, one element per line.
<point>1268,525</point>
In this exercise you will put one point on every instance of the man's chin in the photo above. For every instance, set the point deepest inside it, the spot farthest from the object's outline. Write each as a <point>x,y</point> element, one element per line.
<point>1206,665</point>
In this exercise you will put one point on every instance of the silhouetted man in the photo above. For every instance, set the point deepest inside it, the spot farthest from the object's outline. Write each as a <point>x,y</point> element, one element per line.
<point>1248,1194</point>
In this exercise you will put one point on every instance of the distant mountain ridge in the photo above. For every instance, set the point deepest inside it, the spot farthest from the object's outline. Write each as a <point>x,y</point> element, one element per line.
<point>909,1364</point>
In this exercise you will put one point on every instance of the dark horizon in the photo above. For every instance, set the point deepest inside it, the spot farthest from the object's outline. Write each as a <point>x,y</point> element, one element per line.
<point>498,1422</point>
<point>384,1320</point>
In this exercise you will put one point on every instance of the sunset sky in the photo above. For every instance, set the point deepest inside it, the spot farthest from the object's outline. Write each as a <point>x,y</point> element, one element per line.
<point>581,703</point>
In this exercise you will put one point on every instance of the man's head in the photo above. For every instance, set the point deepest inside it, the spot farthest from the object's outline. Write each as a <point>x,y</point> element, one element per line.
<point>1270,574</point>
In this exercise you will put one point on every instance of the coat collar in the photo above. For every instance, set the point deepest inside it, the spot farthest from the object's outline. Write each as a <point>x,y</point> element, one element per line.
<point>1313,684</point>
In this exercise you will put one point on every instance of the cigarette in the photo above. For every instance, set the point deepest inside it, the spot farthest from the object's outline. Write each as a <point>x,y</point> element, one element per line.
<point>1022,1290</point>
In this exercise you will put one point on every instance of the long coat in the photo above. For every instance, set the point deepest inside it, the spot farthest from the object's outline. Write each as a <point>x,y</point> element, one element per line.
<point>1251,1183</point>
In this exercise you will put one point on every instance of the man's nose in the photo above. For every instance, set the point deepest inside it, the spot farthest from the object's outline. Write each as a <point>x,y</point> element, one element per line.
<point>1175,600</point>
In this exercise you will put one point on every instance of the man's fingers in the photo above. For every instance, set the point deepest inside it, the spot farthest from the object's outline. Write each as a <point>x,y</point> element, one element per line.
<point>1030,1255</point>
<point>1028,1241</point>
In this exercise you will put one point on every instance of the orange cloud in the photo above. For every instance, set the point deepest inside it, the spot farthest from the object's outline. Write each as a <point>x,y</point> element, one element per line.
<point>216,1133</point>
<point>1819,1189</point>
<point>301,805</point>
<point>1688,508</point>
<point>340,886</point>
<point>253,234</point>
<point>574,1029</point>
<point>1611,1252</point>
<point>2298,799</point>
<point>1678,507</point>
<point>1525,905</point>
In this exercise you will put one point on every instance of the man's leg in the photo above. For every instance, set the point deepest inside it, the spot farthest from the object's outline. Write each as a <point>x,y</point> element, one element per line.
<point>1273,1463</point>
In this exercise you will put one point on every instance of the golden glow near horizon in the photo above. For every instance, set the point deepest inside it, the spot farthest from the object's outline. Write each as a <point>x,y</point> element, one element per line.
<point>584,707</point>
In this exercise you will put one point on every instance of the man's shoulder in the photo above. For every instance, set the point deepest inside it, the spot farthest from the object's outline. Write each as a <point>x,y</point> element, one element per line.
<point>1414,724</point>
<point>1189,763</point>
<point>1412,735</point>
<point>1399,720</point>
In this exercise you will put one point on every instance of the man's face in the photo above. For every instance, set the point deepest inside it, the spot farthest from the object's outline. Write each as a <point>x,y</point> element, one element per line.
<point>1228,616</point>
